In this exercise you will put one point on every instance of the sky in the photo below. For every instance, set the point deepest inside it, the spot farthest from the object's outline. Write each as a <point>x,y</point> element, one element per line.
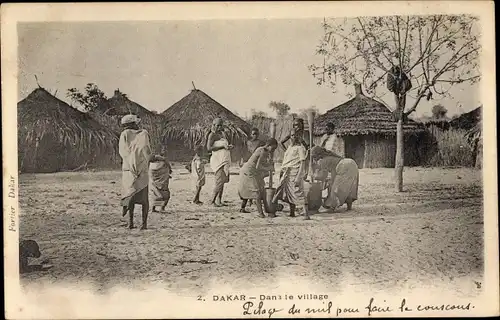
<point>243,64</point>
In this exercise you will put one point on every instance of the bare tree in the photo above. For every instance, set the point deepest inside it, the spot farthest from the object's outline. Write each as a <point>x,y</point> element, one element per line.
<point>414,56</point>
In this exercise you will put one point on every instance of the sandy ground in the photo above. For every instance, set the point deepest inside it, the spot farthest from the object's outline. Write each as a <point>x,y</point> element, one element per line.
<point>433,230</point>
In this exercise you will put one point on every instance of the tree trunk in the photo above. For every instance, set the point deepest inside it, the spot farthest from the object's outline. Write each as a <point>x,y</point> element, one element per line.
<point>399,161</point>
<point>399,156</point>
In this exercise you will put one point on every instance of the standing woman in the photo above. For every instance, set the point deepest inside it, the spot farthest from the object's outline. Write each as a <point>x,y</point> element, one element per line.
<point>251,145</point>
<point>293,172</point>
<point>303,135</point>
<point>298,127</point>
<point>135,150</point>
<point>251,186</point>
<point>220,160</point>
<point>343,183</point>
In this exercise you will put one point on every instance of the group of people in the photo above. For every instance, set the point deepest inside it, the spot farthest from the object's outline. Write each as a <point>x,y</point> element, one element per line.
<point>145,175</point>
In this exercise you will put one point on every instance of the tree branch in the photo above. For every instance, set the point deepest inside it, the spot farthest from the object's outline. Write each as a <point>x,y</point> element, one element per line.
<point>406,36</point>
<point>422,53</point>
<point>381,65</point>
<point>427,47</point>
<point>399,44</point>
<point>417,101</point>
<point>450,64</point>
<point>458,80</point>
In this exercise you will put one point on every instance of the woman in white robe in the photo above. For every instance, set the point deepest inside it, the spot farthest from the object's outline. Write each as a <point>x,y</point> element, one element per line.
<point>135,150</point>
<point>220,159</point>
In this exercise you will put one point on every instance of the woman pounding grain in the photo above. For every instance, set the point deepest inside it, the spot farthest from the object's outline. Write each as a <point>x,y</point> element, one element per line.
<point>298,127</point>
<point>135,150</point>
<point>291,188</point>
<point>344,177</point>
<point>252,174</point>
<point>220,159</point>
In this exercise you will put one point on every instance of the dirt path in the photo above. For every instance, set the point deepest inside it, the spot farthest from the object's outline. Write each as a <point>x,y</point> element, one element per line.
<point>434,230</point>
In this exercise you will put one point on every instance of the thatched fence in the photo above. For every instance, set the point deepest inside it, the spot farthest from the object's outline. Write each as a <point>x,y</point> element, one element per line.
<point>453,148</point>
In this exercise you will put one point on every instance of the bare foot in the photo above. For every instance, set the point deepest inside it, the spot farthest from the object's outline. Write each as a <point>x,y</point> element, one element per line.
<point>349,206</point>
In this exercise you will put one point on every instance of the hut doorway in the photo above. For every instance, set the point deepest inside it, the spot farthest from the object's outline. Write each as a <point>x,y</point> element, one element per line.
<point>354,148</point>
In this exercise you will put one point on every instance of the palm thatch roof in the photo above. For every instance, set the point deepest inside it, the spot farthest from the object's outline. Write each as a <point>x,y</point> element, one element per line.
<point>468,120</point>
<point>363,115</point>
<point>112,110</point>
<point>119,104</point>
<point>54,136</point>
<point>190,119</point>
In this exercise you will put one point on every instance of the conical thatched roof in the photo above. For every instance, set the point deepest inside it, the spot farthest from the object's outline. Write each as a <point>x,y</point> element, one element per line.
<point>54,136</point>
<point>363,115</point>
<point>190,119</point>
<point>112,110</point>
<point>119,104</point>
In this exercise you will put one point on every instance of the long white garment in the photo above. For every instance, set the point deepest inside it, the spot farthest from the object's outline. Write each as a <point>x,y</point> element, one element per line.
<point>135,150</point>
<point>220,158</point>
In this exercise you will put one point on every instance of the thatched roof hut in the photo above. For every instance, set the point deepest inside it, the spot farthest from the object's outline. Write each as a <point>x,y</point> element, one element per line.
<point>189,121</point>
<point>467,120</point>
<point>111,112</point>
<point>53,136</point>
<point>368,133</point>
<point>363,115</point>
<point>119,104</point>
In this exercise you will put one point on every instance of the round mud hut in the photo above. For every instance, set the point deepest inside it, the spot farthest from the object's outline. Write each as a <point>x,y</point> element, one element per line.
<point>366,132</point>
<point>189,121</point>
<point>113,109</point>
<point>53,136</point>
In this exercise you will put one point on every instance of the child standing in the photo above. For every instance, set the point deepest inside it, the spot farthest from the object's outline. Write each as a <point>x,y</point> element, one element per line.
<point>198,173</point>
<point>159,177</point>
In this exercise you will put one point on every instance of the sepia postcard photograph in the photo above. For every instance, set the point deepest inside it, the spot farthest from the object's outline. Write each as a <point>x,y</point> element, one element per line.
<point>249,160</point>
